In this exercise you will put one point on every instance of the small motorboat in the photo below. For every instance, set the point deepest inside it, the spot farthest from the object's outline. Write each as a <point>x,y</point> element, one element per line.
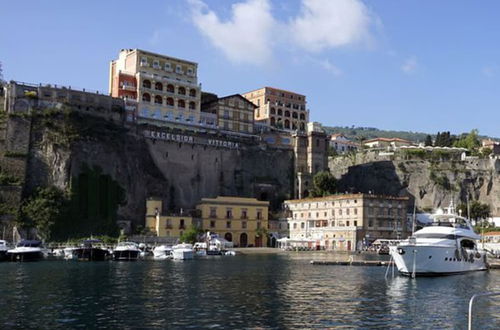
<point>26,250</point>
<point>162,252</point>
<point>90,250</point>
<point>3,250</point>
<point>183,251</point>
<point>126,251</point>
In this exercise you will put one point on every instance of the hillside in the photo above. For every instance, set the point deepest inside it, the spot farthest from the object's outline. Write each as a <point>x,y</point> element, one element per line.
<point>358,133</point>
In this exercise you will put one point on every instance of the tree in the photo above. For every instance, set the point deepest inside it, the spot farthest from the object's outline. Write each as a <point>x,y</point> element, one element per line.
<point>428,141</point>
<point>478,211</point>
<point>469,141</point>
<point>324,184</point>
<point>437,142</point>
<point>44,209</point>
<point>191,235</point>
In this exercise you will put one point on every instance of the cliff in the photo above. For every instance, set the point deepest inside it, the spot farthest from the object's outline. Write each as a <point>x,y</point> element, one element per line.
<point>100,160</point>
<point>431,183</point>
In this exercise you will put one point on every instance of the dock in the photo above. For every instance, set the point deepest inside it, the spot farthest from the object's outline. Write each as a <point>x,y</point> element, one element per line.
<point>492,264</point>
<point>352,263</point>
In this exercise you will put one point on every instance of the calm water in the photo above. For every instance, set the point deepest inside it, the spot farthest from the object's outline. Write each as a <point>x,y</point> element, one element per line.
<point>259,291</point>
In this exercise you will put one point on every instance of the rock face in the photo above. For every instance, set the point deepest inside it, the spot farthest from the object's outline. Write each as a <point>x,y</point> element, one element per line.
<point>179,173</point>
<point>430,183</point>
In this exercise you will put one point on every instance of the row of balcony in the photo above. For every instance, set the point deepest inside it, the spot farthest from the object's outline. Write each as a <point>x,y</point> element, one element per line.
<point>157,78</point>
<point>166,67</point>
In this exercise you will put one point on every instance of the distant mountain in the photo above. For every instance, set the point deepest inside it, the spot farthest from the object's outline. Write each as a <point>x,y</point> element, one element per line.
<point>358,133</point>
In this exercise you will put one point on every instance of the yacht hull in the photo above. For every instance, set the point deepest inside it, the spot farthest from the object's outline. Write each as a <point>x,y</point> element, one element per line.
<point>436,260</point>
<point>3,255</point>
<point>90,254</point>
<point>182,254</point>
<point>25,256</point>
<point>126,255</point>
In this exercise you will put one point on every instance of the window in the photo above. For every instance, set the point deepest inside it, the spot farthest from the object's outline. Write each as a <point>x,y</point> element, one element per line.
<point>333,212</point>
<point>146,97</point>
<point>356,211</point>
<point>228,224</point>
<point>158,86</point>
<point>168,67</point>
<point>181,104</point>
<point>347,211</point>
<point>333,223</point>
<point>302,225</point>
<point>212,224</point>
<point>170,88</point>
<point>178,69</point>
<point>244,214</point>
<point>192,105</point>
<point>258,225</point>
<point>146,84</point>
<point>192,92</point>
<point>355,223</point>
<point>158,99</point>
<point>229,213</point>
<point>213,212</point>
<point>181,224</point>
<point>181,90</point>
<point>347,223</point>
<point>244,225</point>
<point>259,214</point>
<point>294,226</point>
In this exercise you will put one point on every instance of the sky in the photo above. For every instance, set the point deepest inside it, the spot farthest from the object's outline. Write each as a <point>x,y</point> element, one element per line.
<point>416,65</point>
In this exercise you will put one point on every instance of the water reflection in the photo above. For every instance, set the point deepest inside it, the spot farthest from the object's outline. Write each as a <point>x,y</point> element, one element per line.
<point>270,291</point>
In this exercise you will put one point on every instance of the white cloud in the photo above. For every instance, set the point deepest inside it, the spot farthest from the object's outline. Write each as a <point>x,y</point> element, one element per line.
<point>324,24</point>
<point>410,65</point>
<point>245,37</point>
<point>330,67</point>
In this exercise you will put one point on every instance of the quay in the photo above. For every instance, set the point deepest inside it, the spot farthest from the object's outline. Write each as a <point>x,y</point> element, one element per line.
<point>352,263</point>
<point>493,264</point>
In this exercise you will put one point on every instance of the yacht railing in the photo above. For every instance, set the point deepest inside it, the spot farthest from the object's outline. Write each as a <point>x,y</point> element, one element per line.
<point>473,299</point>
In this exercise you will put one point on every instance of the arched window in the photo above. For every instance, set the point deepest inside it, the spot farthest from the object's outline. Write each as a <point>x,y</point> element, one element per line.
<point>181,104</point>
<point>273,121</point>
<point>170,101</point>
<point>192,105</point>
<point>146,84</point>
<point>170,88</point>
<point>280,112</point>
<point>302,126</point>
<point>295,115</point>
<point>146,97</point>
<point>287,113</point>
<point>159,86</point>
<point>158,99</point>
<point>302,116</point>
<point>192,92</point>
<point>273,111</point>
<point>182,91</point>
<point>294,126</point>
<point>302,225</point>
<point>287,124</point>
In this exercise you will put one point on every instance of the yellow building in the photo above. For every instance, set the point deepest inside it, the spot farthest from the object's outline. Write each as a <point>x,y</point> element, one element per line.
<point>243,221</point>
<point>165,225</point>
<point>157,88</point>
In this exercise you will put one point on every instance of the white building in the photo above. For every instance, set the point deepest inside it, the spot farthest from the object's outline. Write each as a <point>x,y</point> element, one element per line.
<point>341,144</point>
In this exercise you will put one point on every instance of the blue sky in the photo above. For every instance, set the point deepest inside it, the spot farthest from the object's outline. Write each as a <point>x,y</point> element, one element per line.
<point>420,65</point>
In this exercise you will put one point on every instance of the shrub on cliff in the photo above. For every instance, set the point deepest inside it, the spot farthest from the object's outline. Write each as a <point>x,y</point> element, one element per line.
<point>324,184</point>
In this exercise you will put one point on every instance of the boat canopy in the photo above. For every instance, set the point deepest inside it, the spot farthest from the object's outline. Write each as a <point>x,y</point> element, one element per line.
<point>29,243</point>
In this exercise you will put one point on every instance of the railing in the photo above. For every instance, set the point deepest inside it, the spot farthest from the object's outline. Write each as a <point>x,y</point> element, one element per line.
<point>473,299</point>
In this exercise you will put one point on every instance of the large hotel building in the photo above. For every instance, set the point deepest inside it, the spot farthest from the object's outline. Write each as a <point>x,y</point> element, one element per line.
<point>279,108</point>
<point>347,222</point>
<point>160,88</point>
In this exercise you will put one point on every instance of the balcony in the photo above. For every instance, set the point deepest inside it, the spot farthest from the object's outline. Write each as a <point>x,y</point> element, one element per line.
<point>144,64</point>
<point>182,227</point>
<point>128,88</point>
<point>169,227</point>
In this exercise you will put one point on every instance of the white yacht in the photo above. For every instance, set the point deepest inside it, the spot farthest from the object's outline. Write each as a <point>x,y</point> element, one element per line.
<point>3,250</point>
<point>183,251</point>
<point>26,251</point>
<point>162,252</point>
<point>126,251</point>
<point>446,246</point>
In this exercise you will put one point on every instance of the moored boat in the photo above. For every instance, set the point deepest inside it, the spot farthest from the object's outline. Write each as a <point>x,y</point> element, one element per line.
<point>162,252</point>
<point>3,250</point>
<point>126,251</point>
<point>183,251</point>
<point>90,250</point>
<point>26,250</point>
<point>447,246</point>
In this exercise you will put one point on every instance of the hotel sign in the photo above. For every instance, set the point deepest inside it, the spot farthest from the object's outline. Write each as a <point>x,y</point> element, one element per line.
<point>190,139</point>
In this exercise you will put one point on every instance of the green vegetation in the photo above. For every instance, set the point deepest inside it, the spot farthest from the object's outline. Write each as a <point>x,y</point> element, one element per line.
<point>428,141</point>
<point>44,209</point>
<point>14,154</point>
<point>9,180</point>
<point>324,184</point>
<point>469,141</point>
<point>191,235</point>
<point>478,211</point>
<point>365,133</point>
<point>261,232</point>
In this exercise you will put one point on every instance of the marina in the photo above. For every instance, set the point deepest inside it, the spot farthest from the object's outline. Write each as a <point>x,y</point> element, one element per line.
<point>268,290</point>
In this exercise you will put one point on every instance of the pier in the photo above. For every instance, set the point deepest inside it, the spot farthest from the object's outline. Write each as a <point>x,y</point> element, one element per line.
<point>492,263</point>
